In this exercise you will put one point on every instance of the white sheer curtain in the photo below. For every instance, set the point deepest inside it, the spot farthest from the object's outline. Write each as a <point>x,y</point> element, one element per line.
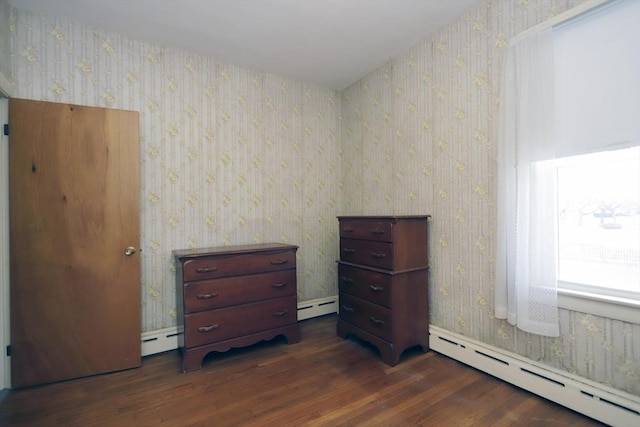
<point>526,270</point>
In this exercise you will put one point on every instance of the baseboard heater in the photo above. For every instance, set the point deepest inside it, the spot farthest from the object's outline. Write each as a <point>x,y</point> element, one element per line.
<point>162,340</point>
<point>594,400</point>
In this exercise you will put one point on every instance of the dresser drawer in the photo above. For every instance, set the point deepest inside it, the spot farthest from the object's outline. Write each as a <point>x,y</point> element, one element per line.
<point>214,266</point>
<point>370,317</point>
<point>217,293</point>
<point>367,230</point>
<point>366,284</point>
<point>376,254</point>
<point>218,325</point>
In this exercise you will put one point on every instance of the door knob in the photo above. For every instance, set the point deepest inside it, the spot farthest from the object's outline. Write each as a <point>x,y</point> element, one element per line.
<point>130,251</point>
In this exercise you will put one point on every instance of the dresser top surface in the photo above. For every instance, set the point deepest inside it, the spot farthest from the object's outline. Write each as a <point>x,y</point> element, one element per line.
<point>236,249</point>
<point>383,217</point>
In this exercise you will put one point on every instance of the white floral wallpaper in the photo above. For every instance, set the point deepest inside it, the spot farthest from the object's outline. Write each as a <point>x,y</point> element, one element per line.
<point>230,155</point>
<point>5,40</point>
<point>419,137</point>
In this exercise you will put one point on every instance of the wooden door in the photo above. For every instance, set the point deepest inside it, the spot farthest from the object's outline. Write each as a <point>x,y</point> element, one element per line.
<point>74,209</point>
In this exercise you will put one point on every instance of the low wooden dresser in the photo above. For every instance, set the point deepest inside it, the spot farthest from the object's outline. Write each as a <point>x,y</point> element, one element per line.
<point>234,296</point>
<point>382,280</point>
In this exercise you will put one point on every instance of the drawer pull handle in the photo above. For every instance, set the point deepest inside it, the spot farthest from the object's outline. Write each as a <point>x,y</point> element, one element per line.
<point>377,321</point>
<point>278,261</point>
<point>348,309</point>
<point>378,255</point>
<point>375,288</point>
<point>377,231</point>
<point>346,280</point>
<point>278,285</point>
<point>206,269</point>
<point>347,230</point>
<point>349,250</point>
<point>208,328</point>
<point>280,313</point>
<point>207,296</point>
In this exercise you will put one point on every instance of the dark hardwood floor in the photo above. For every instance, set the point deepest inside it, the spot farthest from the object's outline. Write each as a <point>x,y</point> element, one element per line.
<point>321,381</point>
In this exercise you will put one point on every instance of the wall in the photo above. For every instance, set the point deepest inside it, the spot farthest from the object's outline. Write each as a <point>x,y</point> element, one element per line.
<point>228,155</point>
<point>5,42</point>
<point>419,137</point>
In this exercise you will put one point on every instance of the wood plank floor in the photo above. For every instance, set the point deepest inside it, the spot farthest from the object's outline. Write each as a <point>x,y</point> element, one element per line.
<point>321,381</point>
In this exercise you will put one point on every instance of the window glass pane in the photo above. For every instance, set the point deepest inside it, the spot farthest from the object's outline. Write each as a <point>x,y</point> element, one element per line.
<point>599,219</point>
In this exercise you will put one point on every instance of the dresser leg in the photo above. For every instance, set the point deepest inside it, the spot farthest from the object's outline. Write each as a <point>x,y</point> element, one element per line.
<point>292,334</point>
<point>340,330</point>
<point>192,361</point>
<point>389,354</point>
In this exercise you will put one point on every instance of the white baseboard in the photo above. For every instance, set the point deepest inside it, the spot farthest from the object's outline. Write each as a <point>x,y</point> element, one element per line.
<point>317,307</point>
<point>162,340</point>
<point>594,400</point>
<point>159,341</point>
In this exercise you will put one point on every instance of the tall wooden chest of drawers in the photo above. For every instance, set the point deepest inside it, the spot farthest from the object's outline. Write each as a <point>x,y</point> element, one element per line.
<point>382,280</point>
<point>234,296</point>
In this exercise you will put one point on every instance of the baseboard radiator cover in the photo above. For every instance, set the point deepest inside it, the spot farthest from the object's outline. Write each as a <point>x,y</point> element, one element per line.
<point>159,341</point>
<point>317,307</point>
<point>162,340</point>
<point>597,401</point>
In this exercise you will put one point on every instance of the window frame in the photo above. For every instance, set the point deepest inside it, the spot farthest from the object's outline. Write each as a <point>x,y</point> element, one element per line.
<point>589,302</point>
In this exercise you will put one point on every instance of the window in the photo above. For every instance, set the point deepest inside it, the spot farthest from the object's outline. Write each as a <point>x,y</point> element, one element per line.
<point>568,172</point>
<point>597,126</point>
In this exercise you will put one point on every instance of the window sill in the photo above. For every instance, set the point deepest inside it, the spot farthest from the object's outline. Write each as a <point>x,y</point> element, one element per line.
<point>625,309</point>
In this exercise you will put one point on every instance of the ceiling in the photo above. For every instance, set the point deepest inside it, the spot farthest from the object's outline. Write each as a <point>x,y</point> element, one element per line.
<point>331,43</point>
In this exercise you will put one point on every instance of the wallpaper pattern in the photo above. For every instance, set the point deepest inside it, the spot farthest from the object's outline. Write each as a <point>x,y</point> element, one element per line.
<point>230,155</point>
<point>419,137</point>
<point>5,40</point>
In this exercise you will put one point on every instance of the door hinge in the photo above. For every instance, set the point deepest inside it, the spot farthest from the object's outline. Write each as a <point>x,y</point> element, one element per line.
<point>6,129</point>
<point>8,351</point>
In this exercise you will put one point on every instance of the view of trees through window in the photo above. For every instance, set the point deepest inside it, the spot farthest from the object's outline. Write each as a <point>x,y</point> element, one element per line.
<point>599,219</point>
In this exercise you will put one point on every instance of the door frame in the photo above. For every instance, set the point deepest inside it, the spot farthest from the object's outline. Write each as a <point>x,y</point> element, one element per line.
<point>5,364</point>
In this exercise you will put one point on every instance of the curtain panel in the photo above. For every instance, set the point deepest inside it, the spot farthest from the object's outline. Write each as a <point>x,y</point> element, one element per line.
<point>526,261</point>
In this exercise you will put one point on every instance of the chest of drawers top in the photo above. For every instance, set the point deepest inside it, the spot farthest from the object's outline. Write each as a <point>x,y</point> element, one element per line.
<point>388,242</point>
<point>217,262</point>
<point>379,228</point>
